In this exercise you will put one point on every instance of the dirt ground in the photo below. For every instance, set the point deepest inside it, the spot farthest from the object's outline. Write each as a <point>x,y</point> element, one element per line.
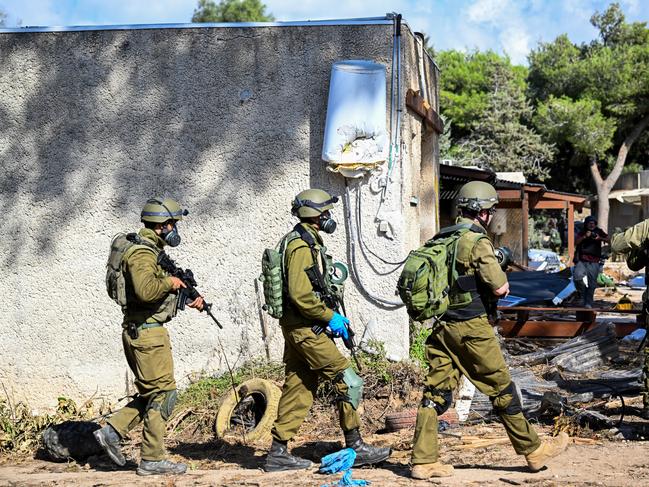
<point>610,463</point>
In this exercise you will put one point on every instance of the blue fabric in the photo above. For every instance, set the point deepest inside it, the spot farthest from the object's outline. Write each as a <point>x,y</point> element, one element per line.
<point>338,461</point>
<point>341,461</point>
<point>338,326</point>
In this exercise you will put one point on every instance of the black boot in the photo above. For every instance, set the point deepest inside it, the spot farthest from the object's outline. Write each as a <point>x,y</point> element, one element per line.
<point>161,467</point>
<point>109,440</point>
<point>644,412</point>
<point>365,454</point>
<point>279,458</point>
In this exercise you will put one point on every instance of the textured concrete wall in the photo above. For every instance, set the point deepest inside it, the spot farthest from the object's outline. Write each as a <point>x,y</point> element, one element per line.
<point>93,123</point>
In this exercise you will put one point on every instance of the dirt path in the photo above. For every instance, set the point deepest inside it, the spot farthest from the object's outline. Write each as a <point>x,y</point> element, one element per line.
<point>608,463</point>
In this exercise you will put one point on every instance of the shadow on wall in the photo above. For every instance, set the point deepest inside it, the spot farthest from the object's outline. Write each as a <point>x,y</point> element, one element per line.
<point>149,112</point>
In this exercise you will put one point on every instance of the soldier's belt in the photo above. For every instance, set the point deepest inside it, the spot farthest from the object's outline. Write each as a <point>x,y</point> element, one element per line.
<point>142,326</point>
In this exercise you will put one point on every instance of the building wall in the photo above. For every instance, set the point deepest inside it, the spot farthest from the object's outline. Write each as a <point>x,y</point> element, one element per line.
<point>230,122</point>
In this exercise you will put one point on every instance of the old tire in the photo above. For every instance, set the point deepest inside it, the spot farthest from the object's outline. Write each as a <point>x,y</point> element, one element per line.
<point>258,400</point>
<point>71,439</point>
<point>408,417</point>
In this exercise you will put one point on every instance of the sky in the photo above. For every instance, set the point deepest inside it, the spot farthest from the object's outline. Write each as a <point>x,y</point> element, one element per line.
<point>511,27</point>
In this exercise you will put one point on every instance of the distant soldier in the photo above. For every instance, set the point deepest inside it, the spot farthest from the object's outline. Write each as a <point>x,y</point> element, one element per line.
<point>635,243</point>
<point>535,229</point>
<point>464,343</point>
<point>588,255</point>
<point>554,238</point>
<point>310,357</point>
<point>149,301</point>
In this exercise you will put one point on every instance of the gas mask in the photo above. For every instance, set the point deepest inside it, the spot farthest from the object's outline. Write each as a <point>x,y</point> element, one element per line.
<point>172,237</point>
<point>326,222</point>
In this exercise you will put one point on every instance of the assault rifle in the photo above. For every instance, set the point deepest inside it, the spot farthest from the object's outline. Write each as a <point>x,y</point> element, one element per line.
<point>332,302</point>
<point>190,293</point>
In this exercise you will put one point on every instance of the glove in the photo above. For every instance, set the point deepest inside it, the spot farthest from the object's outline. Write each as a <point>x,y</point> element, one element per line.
<point>338,462</point>
<point>338,326</point>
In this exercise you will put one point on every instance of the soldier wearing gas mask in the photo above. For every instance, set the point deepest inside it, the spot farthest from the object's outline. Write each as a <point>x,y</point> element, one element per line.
<point>148,298</point>
<point>309,356</point>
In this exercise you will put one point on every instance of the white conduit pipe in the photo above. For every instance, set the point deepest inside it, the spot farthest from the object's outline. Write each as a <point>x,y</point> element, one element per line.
<point>352,243</point>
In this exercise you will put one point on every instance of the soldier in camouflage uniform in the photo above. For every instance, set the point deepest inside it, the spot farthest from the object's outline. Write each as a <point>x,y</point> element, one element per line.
<point>151,302</point>
<point>635,243</point>
<point>310,357</point>
<point>464,343</point>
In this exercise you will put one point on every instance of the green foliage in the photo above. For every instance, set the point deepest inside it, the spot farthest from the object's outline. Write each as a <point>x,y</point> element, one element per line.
<point>375,364</point>
<point>579,123</point>
<point>591,97</point>
<point>231,11</point>
<point>483,96</point>
<point>418,336</point>
<point>20,429</point>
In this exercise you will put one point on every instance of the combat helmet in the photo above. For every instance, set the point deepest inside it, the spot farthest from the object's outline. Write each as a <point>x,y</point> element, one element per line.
<point>157,210</point>
<point>312,203</point>
<point>476,196</point>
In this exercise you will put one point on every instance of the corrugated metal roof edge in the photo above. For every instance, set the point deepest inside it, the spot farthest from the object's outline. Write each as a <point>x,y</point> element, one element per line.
<point>301,23</point>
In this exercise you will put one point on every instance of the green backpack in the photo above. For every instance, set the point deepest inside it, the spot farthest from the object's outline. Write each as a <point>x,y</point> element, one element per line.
<point>115,279</point>
<point>425,282</point>
<point>272,276</point>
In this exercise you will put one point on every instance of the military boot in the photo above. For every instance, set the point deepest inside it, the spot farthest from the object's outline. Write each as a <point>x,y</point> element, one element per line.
<point>548,449</point>
<point>644,412</point>
<point>160,467</point>
<point>279,458</point>
<point>429,470</point>
<point>109,440</point>
<point>365,454</point>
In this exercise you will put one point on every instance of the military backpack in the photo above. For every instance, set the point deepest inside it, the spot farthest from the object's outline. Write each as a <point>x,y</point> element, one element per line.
<point>328,285</point>
<point>115,279</point>
<point>429,274</point>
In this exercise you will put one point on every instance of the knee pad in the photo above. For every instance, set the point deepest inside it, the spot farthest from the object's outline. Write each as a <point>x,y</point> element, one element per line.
<point>439,400</point>
<point>511,407</point>
<point>354,387</point>
<point>165,403</point>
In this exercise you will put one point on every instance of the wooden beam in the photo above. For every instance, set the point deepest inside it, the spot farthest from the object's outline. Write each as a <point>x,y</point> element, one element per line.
<point>509,194</point>
<point>526,233</point>
<point>556,329</point>
<point>550,205</point>
<point>571,234</point>
<point>420,106</point>
<point>509,204</point>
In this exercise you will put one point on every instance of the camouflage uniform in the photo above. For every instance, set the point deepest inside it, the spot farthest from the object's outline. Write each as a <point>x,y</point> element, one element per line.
<point>634,242</point>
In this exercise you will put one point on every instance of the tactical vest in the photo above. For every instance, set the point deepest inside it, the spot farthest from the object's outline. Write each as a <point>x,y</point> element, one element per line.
<point>465,300</point>
<point>120,288</point>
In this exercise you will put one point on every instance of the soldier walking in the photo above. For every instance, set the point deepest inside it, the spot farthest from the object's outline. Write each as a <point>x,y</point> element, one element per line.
<point>149,302</point>
<point>309,357</point>
<point>464,343</point>
<point>634,242</point>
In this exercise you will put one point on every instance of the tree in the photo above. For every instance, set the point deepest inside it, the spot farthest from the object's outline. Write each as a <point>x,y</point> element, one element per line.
<point>231,11</point>
<point>593,99</point>
<point>483,96</point>
<point>3,17</point>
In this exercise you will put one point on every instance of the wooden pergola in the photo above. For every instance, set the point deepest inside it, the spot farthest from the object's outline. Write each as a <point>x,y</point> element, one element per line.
<point>528,197</point>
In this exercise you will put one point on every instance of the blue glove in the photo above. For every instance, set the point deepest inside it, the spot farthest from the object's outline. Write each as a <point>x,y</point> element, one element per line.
<point>338,326</point>
<point>338,462</point>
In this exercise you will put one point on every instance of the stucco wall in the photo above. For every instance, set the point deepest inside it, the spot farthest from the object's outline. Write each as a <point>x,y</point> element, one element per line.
<point>93,123</point>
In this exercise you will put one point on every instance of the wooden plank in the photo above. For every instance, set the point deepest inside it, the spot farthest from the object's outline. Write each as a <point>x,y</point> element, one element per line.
<point>420,106</point>
<point>571,234</point>
<point>567,310</point>
<point>526,231</point>
<point>551,205</point>
<point>556,329</point>
<point>509,194</point>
